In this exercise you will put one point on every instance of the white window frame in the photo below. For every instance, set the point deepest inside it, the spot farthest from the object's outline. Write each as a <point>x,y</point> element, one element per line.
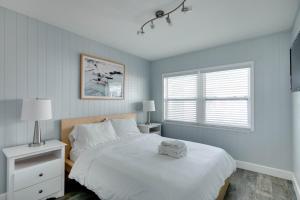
<point>200,116</point>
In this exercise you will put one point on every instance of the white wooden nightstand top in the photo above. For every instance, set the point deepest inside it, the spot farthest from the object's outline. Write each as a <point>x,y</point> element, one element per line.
<point>25,150</point>
<point>152,125</point>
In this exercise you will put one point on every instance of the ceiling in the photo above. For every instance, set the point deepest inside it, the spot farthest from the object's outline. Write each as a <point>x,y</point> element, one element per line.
<point>115,22</point>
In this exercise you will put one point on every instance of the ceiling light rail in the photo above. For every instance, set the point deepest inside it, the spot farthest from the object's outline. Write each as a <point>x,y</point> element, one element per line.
<point>160,14</point>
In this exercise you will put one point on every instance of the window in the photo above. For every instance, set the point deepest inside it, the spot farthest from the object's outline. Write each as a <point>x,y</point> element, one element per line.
<point>226,96</point>
<point>219,96</point>
<point>181,97</point>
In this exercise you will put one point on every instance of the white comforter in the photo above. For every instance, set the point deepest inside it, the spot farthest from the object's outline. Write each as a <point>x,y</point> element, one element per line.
<point>131,169</point>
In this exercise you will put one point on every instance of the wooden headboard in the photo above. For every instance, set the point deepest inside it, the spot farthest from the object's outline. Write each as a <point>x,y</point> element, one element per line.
<point>68,124</point>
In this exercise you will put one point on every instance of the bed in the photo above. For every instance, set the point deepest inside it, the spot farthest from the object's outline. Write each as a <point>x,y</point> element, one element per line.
<point>131,169</point>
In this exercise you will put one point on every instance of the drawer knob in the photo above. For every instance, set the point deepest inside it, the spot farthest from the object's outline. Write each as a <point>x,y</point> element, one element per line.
<point>41,174</point>
<point>40,191</point>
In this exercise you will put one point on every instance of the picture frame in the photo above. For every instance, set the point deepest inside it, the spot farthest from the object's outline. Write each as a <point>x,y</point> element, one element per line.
<point>101,78</point>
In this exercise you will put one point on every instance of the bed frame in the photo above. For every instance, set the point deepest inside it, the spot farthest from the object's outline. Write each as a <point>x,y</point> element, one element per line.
<point>68,124</point>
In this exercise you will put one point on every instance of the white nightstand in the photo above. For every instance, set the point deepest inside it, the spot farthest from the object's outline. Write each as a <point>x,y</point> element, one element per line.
<point>153,128</point>
<point>35,172</point>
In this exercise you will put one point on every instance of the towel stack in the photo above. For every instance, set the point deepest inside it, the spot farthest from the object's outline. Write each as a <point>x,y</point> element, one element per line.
<point>173,148</point>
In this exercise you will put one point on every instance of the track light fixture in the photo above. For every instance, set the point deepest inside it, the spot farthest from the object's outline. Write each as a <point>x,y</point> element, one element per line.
<point>160,14</point>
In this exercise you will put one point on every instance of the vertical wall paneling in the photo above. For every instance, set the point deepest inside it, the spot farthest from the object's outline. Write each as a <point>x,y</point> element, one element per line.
<point>51,78</point>
<point>65,74</point>
<point>21,74</point>
<point>10,77</point>
<point>72,73</point>
<point>40,60</point>
<point>2,97</point>
<point>33,58</point>
<point>32,66</point>
<point>42,53</point>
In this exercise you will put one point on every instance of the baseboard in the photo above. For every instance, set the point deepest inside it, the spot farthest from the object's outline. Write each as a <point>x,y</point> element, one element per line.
<point>265,170</point>
<point>3,196</point>
<point>296,187</point>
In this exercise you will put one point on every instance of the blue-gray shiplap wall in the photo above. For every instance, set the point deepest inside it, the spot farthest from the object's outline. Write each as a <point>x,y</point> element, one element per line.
<point>40,60</point>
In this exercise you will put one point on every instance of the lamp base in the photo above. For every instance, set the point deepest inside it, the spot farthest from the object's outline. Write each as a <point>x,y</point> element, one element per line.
<point>148,118</point>
<point>37,138</point>
<point>37,144</point>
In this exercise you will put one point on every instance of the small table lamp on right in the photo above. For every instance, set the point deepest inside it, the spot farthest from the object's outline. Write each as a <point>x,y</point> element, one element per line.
<point>148,106</point>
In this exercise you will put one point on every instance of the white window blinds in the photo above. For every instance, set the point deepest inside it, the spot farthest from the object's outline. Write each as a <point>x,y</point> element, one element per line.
<point>226,96</point>
<point>221,97</point>
<point>180,98</point>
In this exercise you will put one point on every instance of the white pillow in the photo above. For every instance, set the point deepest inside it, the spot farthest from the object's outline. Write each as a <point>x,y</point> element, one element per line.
<point>124,127</point>
<point>74,154</point>
<point>86,136</point>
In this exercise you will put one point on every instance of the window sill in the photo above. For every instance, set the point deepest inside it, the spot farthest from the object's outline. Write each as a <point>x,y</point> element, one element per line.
<point>227,128</point>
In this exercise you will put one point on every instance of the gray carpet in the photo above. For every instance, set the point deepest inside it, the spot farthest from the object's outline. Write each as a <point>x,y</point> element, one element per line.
<point>247,185</point>
<point>244,185</point>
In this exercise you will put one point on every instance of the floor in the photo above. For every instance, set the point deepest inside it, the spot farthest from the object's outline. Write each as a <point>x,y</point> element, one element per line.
<point>244,185</point>
<point>247,185</point>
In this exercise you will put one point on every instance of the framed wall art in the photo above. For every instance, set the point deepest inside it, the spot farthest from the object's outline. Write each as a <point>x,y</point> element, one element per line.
<point>101,78</point>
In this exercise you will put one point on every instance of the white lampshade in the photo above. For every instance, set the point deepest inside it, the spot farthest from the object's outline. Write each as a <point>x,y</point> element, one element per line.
<point>36,109</point>
<point>148,106</point>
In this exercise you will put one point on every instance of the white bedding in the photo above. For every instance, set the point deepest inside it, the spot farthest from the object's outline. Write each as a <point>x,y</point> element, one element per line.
<point>74,155</point>
<point>131,169</point>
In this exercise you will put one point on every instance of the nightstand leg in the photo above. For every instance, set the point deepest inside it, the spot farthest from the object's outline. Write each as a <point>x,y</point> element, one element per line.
<point>10,179</point>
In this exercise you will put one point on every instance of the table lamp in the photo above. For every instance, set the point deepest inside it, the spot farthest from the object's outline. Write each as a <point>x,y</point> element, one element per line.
<point>36,110</point>
<point>148,106</point>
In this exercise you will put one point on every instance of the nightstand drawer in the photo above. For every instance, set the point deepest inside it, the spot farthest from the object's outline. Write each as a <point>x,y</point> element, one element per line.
<point>38,173</point>
<point>39,191</point>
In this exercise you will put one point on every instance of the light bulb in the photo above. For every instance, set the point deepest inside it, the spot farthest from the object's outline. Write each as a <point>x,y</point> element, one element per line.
<point>186,9</point>
<point>168,19</point>
<point>152,25</point>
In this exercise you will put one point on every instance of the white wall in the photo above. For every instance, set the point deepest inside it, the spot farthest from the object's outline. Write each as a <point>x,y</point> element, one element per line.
<point>40,60</point>
<point>271,142</point>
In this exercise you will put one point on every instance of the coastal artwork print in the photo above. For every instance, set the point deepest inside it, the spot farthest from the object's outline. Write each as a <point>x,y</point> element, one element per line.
<point>101,79</point>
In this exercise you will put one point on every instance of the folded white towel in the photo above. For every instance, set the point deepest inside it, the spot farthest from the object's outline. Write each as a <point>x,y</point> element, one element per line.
<point>173,143</point>
<point>173,152</point>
